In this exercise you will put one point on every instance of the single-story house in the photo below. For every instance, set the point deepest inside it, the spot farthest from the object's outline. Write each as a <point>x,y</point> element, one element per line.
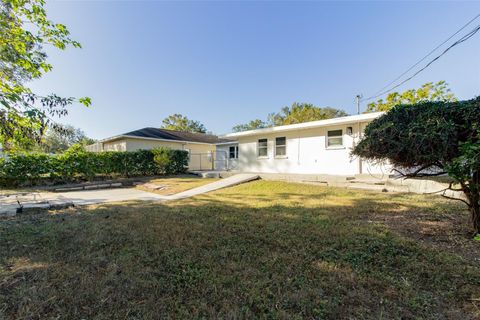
<point>201,147</point>
<point>316,147</point>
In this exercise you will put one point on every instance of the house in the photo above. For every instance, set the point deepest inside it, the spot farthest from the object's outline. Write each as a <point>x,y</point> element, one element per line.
<point>317,147</point>
<point>201,147</point>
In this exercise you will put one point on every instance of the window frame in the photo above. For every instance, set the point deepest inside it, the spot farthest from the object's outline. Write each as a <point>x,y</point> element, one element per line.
<point>281,145</point>
<point>262,147</point>
<point>235,152</point>
<point>328,138</point>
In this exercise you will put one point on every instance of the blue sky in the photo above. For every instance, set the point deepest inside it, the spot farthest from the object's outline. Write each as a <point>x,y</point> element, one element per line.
<point>224,63</point>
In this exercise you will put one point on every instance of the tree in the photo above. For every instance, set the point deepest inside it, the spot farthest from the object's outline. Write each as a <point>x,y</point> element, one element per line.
<point>25,30</point>
<point>297,113</point>
<point>252,125</point>
<point>428,92</point>
<point>179,122</point>
<point>431,139</point>
<point>59,139</point>
<point>303,112</point>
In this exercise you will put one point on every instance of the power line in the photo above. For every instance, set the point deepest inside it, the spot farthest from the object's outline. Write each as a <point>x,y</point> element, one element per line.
<point>468,35</point>
<point>428,54</point>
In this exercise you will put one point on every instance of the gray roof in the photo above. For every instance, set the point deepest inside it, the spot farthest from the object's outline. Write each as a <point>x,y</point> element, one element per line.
<point>164,134</point>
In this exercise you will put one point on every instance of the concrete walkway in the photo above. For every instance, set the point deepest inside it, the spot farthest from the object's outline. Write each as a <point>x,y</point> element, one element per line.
<point>10,205</point>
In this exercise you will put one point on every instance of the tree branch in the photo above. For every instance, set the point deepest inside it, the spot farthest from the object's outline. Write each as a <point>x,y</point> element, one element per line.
<point>453,198</point>
<point>417,174</point>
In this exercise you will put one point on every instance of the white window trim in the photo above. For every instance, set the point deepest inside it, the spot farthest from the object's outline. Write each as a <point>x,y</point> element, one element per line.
<point>337,147</point>
<point>275,149</point>
<point>258,149</point>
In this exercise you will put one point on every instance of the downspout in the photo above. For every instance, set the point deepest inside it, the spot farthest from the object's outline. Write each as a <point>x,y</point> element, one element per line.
<point>360,169</point>
<point>298,151</point>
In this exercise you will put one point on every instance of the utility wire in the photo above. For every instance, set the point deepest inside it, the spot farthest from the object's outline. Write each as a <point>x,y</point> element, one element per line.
<point>428,54</point>
<point>464,38</point>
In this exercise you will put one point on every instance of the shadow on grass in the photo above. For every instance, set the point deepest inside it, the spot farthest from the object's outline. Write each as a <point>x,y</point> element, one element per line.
<point>236,253</point>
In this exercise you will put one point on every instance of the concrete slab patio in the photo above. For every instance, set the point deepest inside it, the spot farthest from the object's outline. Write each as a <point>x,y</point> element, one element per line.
<point>9,205</point>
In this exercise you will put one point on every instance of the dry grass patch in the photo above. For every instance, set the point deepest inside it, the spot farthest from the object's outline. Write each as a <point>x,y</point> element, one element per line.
<point>258,250</point>
<point>175,184</point>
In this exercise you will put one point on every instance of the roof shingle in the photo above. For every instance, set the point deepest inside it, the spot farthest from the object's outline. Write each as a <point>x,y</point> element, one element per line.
<point>155,133</point>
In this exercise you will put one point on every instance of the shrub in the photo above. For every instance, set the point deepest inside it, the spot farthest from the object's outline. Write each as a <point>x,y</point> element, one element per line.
<point>161,158</point>
<point>170,161</point>
<point>431,138</point>
<point>76,164</point>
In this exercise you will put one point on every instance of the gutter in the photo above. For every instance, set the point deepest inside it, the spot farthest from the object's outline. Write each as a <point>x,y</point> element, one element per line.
<point>308,125</point>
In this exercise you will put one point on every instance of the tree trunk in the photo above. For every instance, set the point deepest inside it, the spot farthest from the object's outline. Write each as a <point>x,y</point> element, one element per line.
<point>473,196</point>
<point>475,212</point>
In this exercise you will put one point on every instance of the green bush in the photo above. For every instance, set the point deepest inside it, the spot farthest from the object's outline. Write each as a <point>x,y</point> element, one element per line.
<point>170,161</point>
<point>430,139</point>
<point>76,164</point>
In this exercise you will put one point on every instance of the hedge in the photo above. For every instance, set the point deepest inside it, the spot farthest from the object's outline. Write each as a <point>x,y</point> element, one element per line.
<point>78,165</point>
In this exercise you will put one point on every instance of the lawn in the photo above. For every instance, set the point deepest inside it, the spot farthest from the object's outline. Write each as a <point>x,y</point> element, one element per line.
<point>258,250</point>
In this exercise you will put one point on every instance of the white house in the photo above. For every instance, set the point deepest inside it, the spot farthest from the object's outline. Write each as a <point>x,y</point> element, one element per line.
<point>317,147</point>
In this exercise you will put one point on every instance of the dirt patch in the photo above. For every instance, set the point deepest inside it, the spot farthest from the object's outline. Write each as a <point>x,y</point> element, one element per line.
<point>447,231</point>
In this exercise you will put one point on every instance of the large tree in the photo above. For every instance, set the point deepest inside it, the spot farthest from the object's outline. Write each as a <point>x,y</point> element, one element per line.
<point>252,125</point>
<point>428,92</point>
<point>431,139</point>
<point>182,123</point>
<point>296,113</point>
<point>61,138</point>
<point>303,112</point>
<point>24,32</point>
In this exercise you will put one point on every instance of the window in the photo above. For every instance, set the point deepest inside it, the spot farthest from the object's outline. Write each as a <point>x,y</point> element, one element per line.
<point>280,147</point>
<point>335,138</point>
<point>233,152</point>
<point>262,147</point>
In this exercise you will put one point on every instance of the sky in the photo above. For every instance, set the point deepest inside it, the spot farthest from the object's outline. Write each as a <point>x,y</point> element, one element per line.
<point>227,62</point>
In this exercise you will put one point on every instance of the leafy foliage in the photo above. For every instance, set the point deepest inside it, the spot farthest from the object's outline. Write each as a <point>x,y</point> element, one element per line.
<point>170,161</point>
<point>297,113</point>
<point>431,138</point>
<point>252,125</point>
<point>60,138</point>
<point>25,30</point>
<point>180,122</point>
<point>428,92</point>
<point>303,112</point>
<point>77,164</point>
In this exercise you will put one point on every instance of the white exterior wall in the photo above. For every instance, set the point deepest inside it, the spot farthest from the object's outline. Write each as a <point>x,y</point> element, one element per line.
<point>222,161</point>
<point>117,145</point>
<point>307,153</point>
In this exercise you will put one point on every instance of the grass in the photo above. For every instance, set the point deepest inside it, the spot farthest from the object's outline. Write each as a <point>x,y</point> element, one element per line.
<point>176,184</point>
<point>258,250</point>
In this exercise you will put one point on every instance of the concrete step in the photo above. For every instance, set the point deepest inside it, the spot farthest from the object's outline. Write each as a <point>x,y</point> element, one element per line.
<point>315,182</point>
<point>369,181</point>
<point>365,186</point>
<point>369,176</point>
<point>207,174</point>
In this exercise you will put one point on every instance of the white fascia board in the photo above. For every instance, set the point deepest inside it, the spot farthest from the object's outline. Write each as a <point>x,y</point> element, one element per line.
<point>155,139</point>
<point>308,125</point>
<point>226,143</point>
